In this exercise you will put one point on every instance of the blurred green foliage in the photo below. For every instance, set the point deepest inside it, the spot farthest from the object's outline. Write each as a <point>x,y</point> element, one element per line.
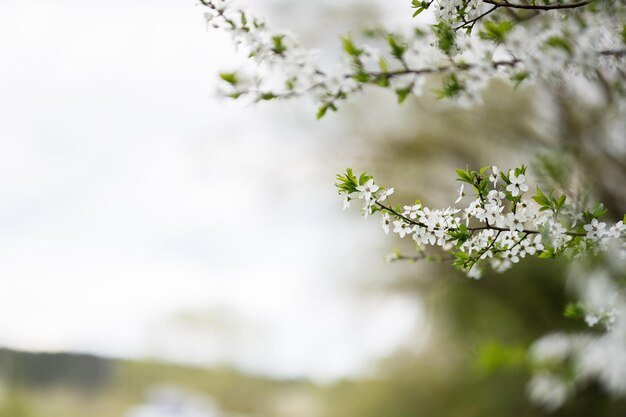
<point>72,388</point>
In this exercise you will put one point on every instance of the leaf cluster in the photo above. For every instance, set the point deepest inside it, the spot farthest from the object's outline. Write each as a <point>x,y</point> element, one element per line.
<point>549,202</point>
<point>595,213</point>
<point>348,182</point>
<point>477,179</point>
<point>420,6</point>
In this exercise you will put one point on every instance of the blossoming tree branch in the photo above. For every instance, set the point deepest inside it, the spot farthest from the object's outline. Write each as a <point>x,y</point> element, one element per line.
<point>498,227</point>
<point>469,43</point>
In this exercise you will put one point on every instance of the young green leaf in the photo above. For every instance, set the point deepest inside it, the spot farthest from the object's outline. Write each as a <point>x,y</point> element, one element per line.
<point>279,47</point>
<point>230,78</point>
<point>574,311</point>
<point>495,31</point>
<point>402,94</point>
<point>397,49</point>
<point>350,48</point>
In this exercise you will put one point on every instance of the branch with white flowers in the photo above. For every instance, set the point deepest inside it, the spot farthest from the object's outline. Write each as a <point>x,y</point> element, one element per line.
<point>497,227</point>
<point>519,47</point>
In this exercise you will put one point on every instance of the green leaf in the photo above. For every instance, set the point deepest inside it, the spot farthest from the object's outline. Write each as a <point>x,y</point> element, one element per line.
<point>559,43</point>
<point>595,213</point>
<point>493,357</point>
<point>230,77</point>
<point>397,49</point>
<point>574,311</point>
<point>445,35</point>
<point>278,46</point>
<point>350,48</point>
<point>495,31</point>
<point>560,202</point>
<point>350,175</point>
<point>542,200</point>
<point>546,254</point>
<point>363,178</point>
<point>520,170</point>
<point>347,182</point>
<point>321,112</point>
<point>419,33</point>
<point>361,76</point>
<point>268,96</point>
<point>461,259</point>
<point>382,81</point>
<point>452,87</point>
<point>420,6</point>
<point>244,19</point>
<point>519,77</point>
<point>383,65</point>
<point>402,94</point>
<point>460,235</point>
<point>465,176</point>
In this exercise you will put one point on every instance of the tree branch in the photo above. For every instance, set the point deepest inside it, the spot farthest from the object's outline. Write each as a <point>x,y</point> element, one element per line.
<point>420,257</point>
<point>488,227</point>
<point>558,6</point>
<point>439,69</point>
<point>473,21</point>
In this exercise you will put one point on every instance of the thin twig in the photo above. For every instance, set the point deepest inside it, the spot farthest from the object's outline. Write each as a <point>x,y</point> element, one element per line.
<point>556,6</point>
<point>488,227</point>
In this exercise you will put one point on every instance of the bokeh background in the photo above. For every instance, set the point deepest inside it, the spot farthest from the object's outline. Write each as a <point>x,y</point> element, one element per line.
<point>166,252</point>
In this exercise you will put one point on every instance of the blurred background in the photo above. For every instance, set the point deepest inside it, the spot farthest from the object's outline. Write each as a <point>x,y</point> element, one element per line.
<point>165,252</point>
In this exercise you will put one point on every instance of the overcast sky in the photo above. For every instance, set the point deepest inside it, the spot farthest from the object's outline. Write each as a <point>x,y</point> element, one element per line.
<point>140,215</point>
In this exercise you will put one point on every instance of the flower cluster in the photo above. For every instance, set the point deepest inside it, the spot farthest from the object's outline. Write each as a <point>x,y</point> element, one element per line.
<point>497,226</point>
<point>280,67</point>
<point>469,43</point>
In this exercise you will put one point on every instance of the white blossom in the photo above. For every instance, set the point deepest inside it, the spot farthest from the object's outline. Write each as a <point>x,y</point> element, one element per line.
<point>346,200</point>
<point>386,221</point>
<point>366,190</point>
<point>517,184</point>
<point>475,273</point>
<point>460,194</point>
<point>548,390</point>
<point>495,175</point>
<point>386,193</point>
<point>413,211</point>
<point>402,228</point>
<point>595,230</point>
